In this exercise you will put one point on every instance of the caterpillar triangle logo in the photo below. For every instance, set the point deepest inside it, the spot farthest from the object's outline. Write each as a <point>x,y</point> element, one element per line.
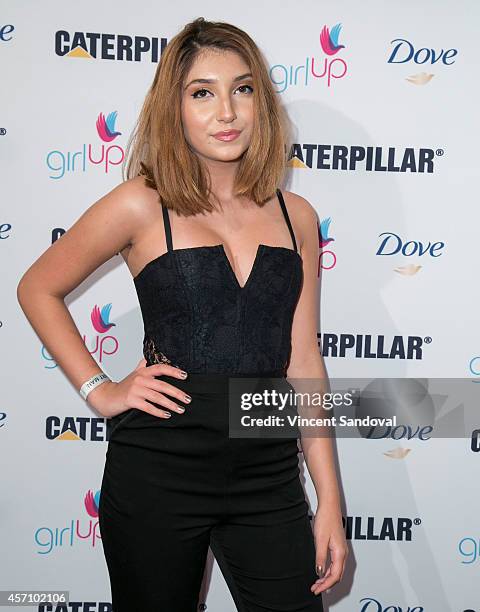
<point>68,435</point>
<point>79,52</point>
<point>296,163</point>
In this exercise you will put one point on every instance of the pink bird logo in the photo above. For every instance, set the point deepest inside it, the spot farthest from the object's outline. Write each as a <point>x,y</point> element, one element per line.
<point>329,39</point>
<point>100,318</point>
<point>91,503</point>
<point>106,127</point>
<point>323,238</point>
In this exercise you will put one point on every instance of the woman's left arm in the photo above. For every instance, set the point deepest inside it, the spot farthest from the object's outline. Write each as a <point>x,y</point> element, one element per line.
<point>306,362</point>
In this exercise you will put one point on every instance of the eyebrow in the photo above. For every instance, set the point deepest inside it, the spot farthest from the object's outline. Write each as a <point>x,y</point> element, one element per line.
<point>241,77</point>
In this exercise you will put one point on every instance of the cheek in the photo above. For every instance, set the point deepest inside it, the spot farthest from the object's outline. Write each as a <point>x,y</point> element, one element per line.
<point>248,117</point>
<point>247,112</point>
<point>195,119</point>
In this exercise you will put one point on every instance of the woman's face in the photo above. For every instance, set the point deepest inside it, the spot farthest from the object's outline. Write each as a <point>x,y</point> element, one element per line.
<point>222,101</point>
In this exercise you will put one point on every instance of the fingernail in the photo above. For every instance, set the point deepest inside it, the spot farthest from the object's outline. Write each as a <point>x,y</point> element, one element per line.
<point>183,374</point>
<point>168,415</point>
<point>188,398</point>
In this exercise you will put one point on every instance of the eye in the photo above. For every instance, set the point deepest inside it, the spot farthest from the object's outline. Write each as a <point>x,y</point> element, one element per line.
<point>249,87</point>
<point>195,96</point>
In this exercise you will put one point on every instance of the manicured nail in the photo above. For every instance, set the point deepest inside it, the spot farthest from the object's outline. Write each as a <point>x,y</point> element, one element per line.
<point>183,374</point>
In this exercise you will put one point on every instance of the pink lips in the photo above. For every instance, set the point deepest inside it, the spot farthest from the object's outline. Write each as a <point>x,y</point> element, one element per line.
<point>227,135</point>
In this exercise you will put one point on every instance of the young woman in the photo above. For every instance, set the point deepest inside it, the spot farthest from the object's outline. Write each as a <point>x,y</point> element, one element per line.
<point>225,267</point>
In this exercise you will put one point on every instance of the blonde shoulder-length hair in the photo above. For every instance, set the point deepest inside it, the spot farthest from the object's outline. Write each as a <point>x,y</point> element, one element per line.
<point>158,150</point>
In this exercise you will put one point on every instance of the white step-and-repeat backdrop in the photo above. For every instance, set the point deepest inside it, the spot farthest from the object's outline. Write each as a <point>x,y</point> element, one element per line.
<point>385,108</point>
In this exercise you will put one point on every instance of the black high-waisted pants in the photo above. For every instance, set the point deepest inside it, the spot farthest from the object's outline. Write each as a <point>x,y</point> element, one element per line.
<point>173,487</point>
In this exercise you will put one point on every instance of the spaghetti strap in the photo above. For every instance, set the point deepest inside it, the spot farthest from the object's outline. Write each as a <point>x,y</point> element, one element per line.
<point>168,229</point>
<point>287,218</point>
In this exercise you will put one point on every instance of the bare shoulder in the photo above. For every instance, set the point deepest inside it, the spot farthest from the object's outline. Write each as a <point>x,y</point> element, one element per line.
<point>300,208</point>
<point>140,205</point>
<point>302,214</point>
<point>138,199</point>
<point>108,226</point>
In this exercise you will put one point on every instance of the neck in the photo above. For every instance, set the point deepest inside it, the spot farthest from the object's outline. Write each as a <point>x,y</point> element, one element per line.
<point>222,177</point>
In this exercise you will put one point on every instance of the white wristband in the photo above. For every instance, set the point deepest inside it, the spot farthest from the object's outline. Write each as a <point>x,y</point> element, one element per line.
<point>91,383</point>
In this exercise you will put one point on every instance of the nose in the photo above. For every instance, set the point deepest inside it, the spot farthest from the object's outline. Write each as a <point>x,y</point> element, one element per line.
<point>226,111</point>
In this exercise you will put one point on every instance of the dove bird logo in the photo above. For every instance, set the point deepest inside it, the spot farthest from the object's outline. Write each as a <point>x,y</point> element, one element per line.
<point>329,39</point>
<point>324,227</point>
<point>327,258</point>
<point>100,318</point>
<point>92,502</point>
<point>106,127</point>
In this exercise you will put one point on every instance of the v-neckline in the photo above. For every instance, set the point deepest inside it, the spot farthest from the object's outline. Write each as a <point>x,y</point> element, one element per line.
<point>232,273</point>
<point>220,248</point>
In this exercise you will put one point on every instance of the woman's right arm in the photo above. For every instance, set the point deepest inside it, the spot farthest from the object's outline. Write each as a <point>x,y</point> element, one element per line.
<point>102,231</point>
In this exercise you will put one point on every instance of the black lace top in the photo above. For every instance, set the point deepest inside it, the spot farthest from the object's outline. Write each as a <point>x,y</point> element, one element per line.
<point>198,317</point>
